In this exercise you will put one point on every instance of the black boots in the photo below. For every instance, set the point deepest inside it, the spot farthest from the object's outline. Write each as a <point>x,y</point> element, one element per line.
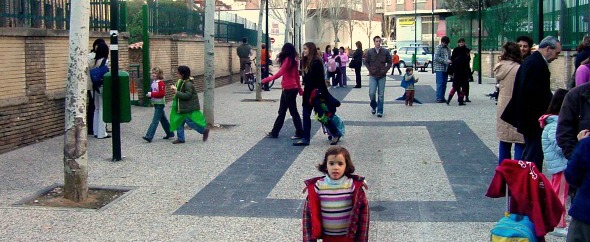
<point>450,97</point>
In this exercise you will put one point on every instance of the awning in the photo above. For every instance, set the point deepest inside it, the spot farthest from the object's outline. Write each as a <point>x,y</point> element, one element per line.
<point>442,28</point>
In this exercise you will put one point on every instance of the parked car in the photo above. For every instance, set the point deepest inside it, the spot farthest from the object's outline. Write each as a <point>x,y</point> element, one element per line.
<point>423,56</point>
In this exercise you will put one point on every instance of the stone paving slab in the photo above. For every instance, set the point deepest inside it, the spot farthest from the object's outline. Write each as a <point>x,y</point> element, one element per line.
<point>427,166</point>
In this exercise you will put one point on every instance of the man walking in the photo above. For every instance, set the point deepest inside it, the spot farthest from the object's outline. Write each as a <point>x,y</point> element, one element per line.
<point>396,64</point>
<point>442,60</point>
<point>531,97</point>
<point>244,54</point>
<point>378,62</point>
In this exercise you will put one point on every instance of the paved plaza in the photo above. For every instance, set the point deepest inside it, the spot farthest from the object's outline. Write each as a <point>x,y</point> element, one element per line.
<point>427,168</point>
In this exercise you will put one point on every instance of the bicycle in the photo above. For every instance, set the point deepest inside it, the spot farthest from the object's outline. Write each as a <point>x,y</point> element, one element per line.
<point>251,77</point>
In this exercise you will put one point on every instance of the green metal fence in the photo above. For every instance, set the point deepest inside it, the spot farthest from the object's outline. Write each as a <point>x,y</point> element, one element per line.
<point>55,14</point>
<point>172,18</point>
<point>567,19</point>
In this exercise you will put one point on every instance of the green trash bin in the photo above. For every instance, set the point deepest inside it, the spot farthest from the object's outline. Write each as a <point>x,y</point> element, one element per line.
<point>476,63</point>
<point>124,100</point>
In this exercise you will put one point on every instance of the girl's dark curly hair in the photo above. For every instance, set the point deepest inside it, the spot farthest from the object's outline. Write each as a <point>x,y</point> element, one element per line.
<point>511,51</point>
<point>288,51</point>
<point>337,150</point>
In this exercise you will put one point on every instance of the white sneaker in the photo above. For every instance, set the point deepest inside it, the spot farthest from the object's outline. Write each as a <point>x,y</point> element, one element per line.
<point>559,232</point>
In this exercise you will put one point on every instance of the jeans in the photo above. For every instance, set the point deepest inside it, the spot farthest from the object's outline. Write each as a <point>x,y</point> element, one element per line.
<point>533,151</point>
<point>99,126</point>
<point>343,77</point>
<point>288,101</point>
<point>441,85</point>
<point>159,117</point>
<point>192,125</point>
<point>505,151</point>
<point>398,69</point>
<point>90,112</point>
<point>306,118</point>
<point>578,231</point>
<point>375,84</point>
<point>357,72</point>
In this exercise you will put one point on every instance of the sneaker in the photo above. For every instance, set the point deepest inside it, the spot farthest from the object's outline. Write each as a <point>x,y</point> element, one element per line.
<point>177,142</point>
<point>379,115</point>
<point>559,232</point>
<point>301,143</point>
<point>168,137</point>
<point>206,135</point>
<point>146,139</point>
<point>373,111</point>
<point>335,140</point>
<point>294,137</point>
<point>357,87</point>
<point>270,135</point>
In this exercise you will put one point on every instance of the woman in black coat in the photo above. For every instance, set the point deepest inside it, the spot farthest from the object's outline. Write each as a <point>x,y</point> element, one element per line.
<point>461,72</point>
<point>357,62</point>
<point>312,69</point>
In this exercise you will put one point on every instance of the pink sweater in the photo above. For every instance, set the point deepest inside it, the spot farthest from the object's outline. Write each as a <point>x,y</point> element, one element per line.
<point>582,74</point>
<point>290,76</point>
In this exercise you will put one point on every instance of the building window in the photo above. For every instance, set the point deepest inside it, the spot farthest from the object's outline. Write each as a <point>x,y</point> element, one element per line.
<point>388,2</point>
<point>427,24</point>
<point>399,1</point>
<point>419,1</point>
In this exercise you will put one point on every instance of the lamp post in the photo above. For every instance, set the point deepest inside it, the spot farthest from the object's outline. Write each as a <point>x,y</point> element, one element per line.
<point>116,140</point>
<point>541,30</point>
<point>415,33</point>
<point>432,34</point>
<point>265,74</point>
<point>479,6</point>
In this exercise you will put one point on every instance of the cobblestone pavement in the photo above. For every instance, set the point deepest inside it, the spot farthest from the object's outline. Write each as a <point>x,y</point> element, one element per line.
<point>427,166</point>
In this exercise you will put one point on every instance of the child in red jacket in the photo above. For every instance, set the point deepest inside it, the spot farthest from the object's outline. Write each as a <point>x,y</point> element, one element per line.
<point>157,94</point>
<point>336,208</point>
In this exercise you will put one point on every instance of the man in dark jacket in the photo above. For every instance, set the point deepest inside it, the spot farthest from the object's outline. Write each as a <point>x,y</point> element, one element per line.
<point>461,71</point>
<point>531,97</point>
<point>573,118</point>
<point>378,62</point>
<point>244,54</point>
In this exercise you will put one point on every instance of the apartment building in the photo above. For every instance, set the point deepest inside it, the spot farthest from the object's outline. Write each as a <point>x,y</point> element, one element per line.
<point>407,21</point>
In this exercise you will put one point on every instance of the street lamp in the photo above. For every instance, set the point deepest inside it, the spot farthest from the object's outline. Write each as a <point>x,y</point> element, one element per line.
<point>415,33</point>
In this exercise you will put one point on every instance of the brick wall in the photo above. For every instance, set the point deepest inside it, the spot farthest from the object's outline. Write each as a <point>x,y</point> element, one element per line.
<point>35,71</point>
<point>561,69</point>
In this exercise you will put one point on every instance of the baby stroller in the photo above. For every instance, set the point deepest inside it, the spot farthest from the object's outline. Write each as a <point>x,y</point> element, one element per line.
<point>494,95</point>
<point>324,105</point>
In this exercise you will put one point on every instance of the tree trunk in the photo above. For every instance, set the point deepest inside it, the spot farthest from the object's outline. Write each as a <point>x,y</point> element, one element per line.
<point>75,137</point>
<point>209,102</point>
<point>288,24</point>
<point>258,53</point>
<point>297,26</point>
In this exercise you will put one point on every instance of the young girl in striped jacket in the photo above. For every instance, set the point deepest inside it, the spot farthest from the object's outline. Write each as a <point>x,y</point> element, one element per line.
<point>336,208</point>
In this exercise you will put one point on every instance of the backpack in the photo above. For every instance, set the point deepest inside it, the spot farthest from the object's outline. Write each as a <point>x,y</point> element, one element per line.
<point>514,227</point>
<point>332,65</point>
<point>97,75</point>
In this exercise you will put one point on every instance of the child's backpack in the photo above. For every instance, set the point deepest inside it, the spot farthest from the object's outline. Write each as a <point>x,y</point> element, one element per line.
<point>97,75</point>
<point>514,228</point>
<point>332,65</point>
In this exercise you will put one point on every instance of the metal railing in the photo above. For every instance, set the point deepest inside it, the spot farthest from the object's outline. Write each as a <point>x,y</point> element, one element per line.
<point>55,14</point>
<point>567,19</point>
<point>172,18</point>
